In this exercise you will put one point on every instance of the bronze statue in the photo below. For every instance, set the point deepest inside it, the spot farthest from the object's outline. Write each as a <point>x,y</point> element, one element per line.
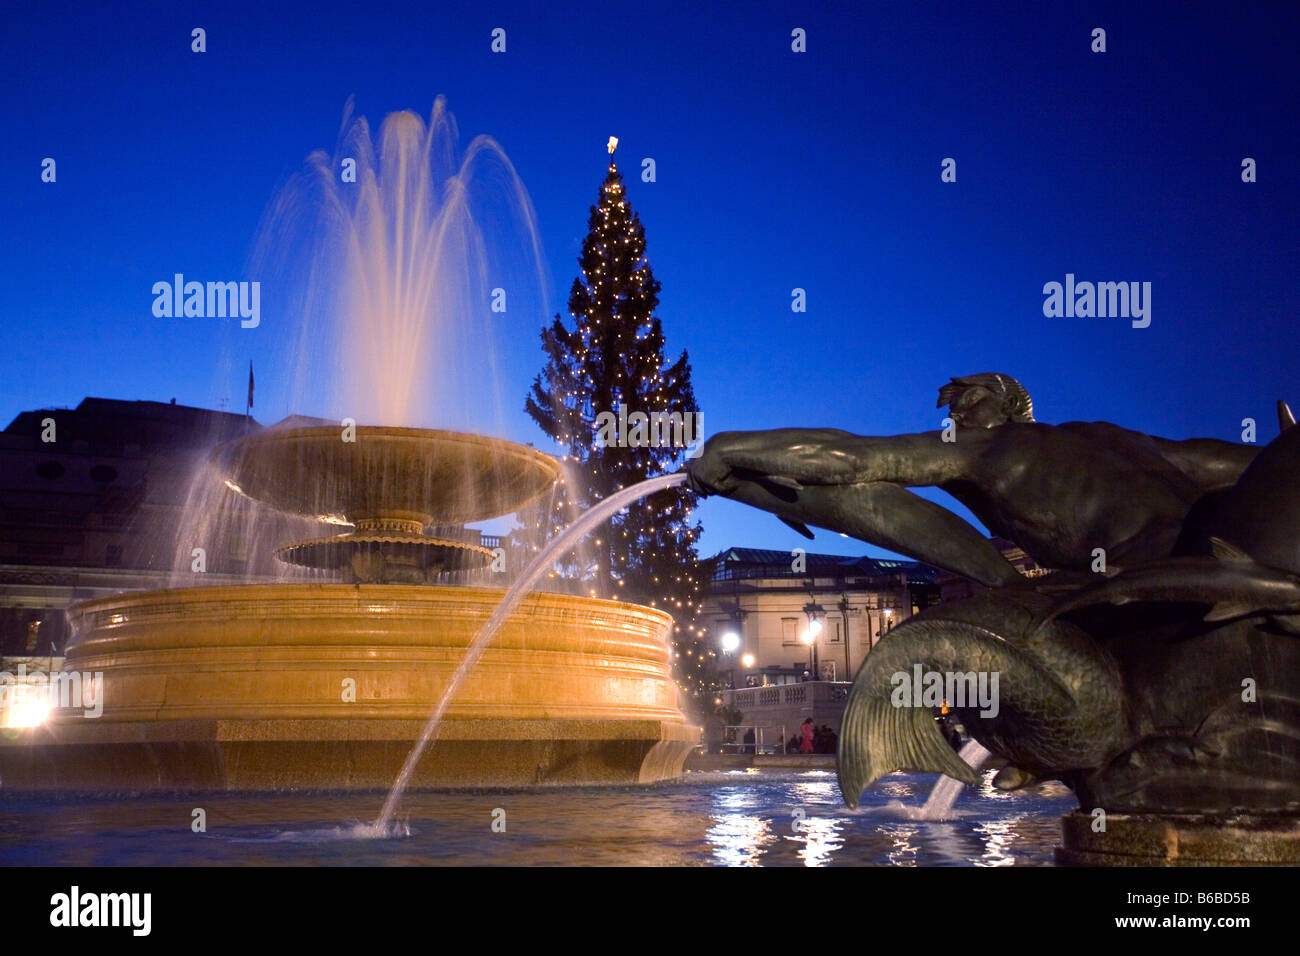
<point>1058,491</point>
<point>1156,670</point>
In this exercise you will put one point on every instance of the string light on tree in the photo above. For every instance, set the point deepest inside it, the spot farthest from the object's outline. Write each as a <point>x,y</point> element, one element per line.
<point>612,355</point>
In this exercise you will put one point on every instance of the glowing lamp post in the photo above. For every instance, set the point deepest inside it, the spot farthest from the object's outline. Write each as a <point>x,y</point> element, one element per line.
<point>730,644</point>
<point>809,637</point>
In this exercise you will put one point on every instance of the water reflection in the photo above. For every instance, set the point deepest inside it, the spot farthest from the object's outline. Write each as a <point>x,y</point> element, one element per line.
<point>739,837</point>
<point>739,840</point>
<point>820,838</point>
<point>903,849</point>
<point>999,838</point>
<point>722,819</point>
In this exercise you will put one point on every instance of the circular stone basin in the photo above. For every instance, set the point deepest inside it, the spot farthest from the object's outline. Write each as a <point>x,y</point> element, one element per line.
<point>369,556</point>
<point>407,475</point>
<point>283,651</point>
<point>289,687</point>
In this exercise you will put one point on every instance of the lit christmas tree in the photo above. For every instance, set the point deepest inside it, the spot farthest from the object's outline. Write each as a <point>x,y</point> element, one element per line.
<point>612,357</point>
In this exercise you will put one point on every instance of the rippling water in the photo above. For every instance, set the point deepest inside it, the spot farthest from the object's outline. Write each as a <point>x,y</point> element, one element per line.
<point>742,818</point>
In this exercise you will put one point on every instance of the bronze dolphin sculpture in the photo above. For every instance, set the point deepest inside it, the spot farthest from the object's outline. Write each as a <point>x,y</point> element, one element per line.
<point>1230,580</point>
<point>1060,706</point>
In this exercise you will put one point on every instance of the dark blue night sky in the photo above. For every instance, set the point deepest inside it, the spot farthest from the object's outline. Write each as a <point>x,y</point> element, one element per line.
<point>776,170</point>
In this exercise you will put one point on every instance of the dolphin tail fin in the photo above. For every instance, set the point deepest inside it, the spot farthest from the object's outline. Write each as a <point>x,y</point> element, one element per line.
<point>1225,551</point>
<point>798,526</point>
<point>1227,610</point>
<point>1285,417</point>
<point>878,738</point>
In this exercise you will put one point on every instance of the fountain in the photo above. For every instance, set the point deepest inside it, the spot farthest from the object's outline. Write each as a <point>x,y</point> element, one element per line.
<point>390,483</point>
<point>328,685</point>
<point>325,677</point>
<point>946,789</point>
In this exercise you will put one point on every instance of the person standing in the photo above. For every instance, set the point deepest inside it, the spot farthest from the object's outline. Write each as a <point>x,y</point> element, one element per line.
<point>808,731</point>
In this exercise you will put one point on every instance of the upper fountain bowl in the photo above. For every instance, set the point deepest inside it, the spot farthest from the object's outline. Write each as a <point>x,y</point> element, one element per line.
<point>396,479</point>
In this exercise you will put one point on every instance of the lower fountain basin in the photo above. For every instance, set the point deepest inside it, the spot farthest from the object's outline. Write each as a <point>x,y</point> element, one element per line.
<point>326,686</point>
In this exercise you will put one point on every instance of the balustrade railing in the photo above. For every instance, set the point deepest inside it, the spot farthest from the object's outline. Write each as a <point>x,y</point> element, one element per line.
<point>807,692</point>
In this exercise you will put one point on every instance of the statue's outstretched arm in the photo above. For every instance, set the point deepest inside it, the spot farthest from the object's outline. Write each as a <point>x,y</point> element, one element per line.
<point>889,517</point>
<point>826,456</point>
<point>853,484</point>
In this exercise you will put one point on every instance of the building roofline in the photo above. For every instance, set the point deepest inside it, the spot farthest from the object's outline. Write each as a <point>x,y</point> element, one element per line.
<point>129,408</point>
<point>771,563</point>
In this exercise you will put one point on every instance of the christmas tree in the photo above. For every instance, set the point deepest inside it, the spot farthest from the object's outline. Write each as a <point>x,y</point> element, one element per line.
<point>611,362</point>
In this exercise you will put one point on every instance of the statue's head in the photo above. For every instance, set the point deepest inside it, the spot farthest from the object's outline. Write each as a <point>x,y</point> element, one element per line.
<point>986,400</point>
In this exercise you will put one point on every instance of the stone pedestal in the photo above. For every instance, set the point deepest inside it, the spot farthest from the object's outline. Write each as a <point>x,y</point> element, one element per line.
<point>296,755</point>
<point>1179,840</point>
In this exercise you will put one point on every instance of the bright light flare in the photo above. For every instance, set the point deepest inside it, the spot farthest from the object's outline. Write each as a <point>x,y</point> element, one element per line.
<point>29,707</point>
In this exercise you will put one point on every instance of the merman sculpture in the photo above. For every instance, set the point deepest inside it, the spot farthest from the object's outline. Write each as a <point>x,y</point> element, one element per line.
<point>1156,671</point>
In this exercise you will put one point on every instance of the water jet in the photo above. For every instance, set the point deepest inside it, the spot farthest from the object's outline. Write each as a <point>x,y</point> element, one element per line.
<point>323,673</point>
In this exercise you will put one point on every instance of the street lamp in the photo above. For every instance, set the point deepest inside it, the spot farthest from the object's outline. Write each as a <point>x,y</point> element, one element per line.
<point>886,622</point>
<point>732,639</point>
<point>809,637</point>
<point>730,644</point>
<point>845,612</point>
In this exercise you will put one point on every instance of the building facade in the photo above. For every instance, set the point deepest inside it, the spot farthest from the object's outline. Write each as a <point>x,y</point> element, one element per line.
<point>797,616</point>
<point>793,629</point>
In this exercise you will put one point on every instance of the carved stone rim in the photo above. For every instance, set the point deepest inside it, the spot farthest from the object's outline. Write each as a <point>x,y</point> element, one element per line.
<point>388,473</point>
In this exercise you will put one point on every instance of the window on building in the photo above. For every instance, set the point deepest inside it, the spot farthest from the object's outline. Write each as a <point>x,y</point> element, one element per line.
<point>788,630</point>
<point>835,633</point>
